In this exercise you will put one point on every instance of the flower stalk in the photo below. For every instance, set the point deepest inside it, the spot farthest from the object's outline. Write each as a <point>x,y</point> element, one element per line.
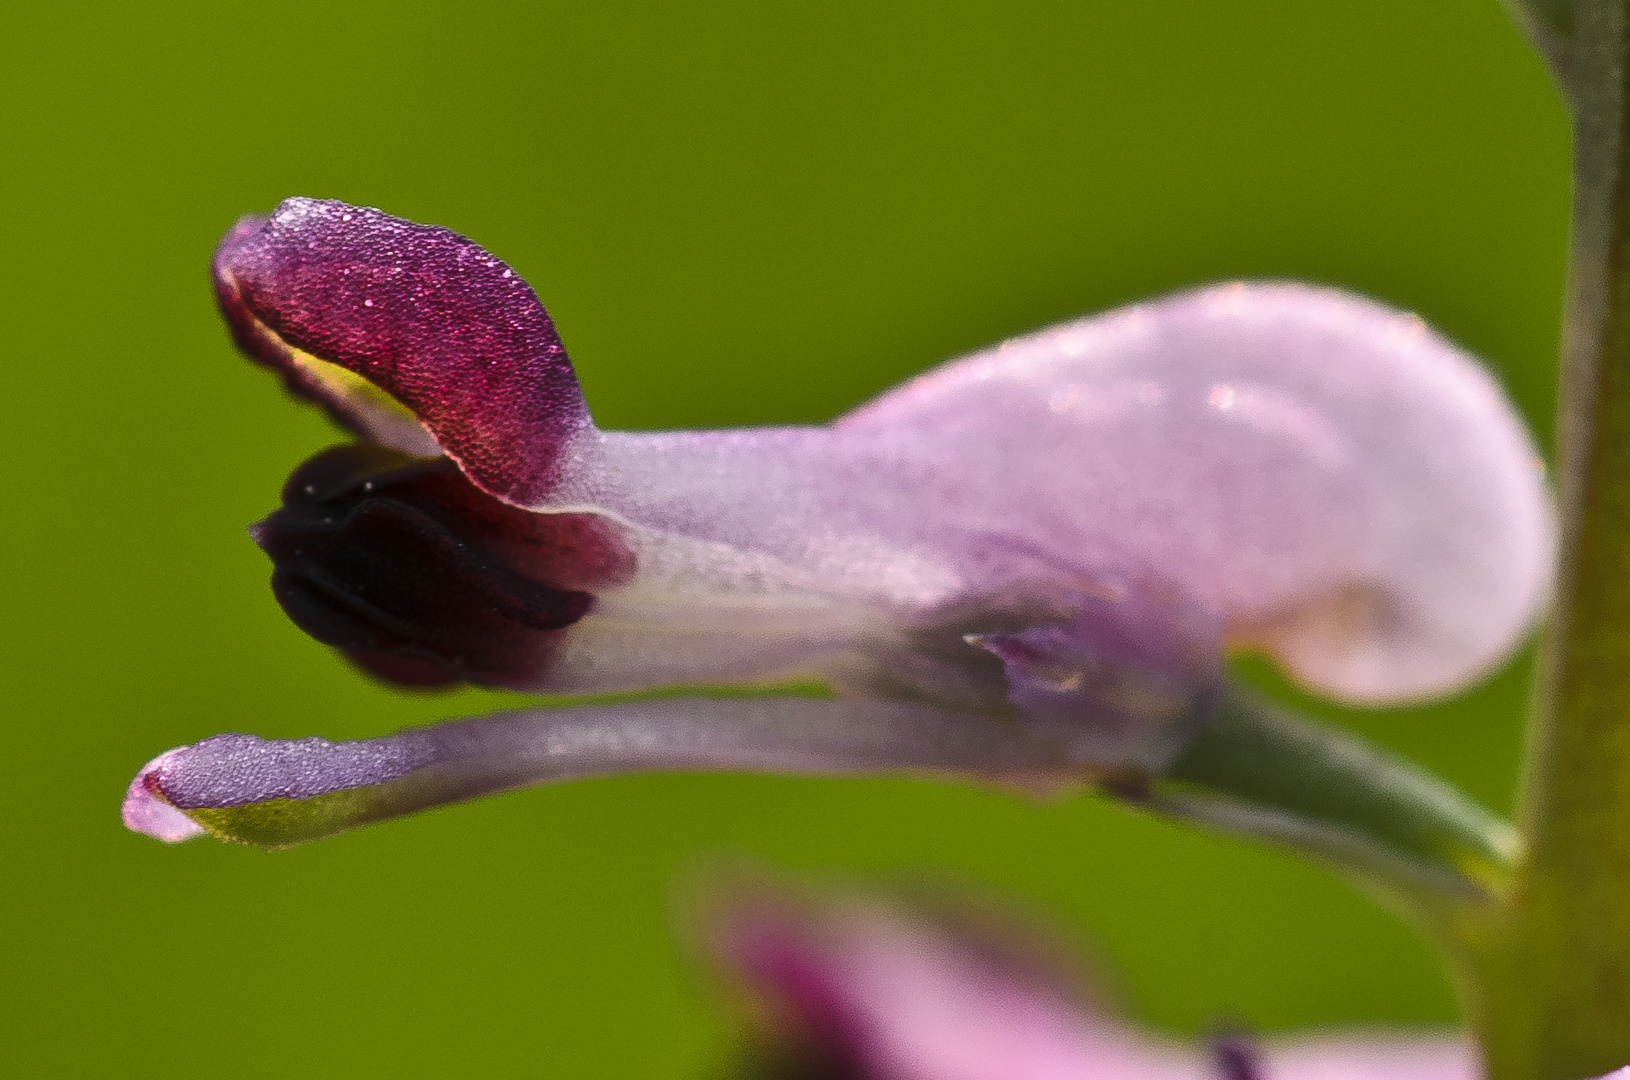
<point>1550,972</point>
<point>1259,770</point>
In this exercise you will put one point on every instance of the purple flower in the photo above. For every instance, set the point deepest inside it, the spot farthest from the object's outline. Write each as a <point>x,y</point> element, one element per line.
<point>1025,565</point>
<point>863,990</point>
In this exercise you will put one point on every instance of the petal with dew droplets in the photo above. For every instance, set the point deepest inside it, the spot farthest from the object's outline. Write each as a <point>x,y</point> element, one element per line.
<point>424,316</point>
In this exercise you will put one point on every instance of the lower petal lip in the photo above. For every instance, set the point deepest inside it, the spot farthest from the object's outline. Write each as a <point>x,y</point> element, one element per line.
<point>280,793</point>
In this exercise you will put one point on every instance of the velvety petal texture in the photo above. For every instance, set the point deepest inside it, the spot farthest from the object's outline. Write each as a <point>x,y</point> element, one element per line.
<point>867,991</point>
<point>429,318</point>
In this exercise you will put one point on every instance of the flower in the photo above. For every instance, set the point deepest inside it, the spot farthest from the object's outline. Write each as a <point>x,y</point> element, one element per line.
<point>859,989</point>
<point>1025,565</point>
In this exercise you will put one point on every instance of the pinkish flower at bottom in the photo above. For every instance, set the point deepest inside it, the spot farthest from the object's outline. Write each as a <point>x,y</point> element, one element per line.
<point>861,990</point>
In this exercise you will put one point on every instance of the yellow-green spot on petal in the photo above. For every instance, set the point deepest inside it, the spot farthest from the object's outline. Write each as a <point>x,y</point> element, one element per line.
<point>284,823</point>
<point>347,387</point>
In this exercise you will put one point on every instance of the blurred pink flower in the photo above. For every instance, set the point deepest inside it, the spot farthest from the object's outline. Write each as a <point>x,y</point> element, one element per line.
<point>863,990</point>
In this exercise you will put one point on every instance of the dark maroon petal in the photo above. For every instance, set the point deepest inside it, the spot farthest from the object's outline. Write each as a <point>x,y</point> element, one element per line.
<point>418,311</point>
<point>350,400</point>
<point>423,578</point>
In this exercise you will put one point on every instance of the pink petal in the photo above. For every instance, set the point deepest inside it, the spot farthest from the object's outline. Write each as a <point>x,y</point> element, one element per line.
<point>146,811</point>
<point>1375,1056</point>
<point>1349,490</point>
<point>891,996</point>
<point>895,999</point>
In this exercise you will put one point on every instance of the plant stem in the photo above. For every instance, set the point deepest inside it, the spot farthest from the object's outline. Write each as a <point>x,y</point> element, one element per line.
<point>1258,770</point>
<point>1552,971</point>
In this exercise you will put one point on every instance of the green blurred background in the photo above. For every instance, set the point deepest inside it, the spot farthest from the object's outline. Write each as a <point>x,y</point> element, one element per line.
<point>737,213</point>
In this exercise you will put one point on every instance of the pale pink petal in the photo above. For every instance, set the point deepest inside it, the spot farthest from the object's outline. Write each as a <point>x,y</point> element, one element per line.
<point>1378,1055</point>
<point>145,811</point>
<point>887,995</point>
<point>894,999</point>
<point>1352,492</point>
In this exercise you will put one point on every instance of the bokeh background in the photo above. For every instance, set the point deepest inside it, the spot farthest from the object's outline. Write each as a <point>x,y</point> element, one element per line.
<point>738,213</point>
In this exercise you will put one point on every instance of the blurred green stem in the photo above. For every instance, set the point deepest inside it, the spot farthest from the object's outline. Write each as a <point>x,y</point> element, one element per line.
<point>1549,972</point>
<point>1258,770</point>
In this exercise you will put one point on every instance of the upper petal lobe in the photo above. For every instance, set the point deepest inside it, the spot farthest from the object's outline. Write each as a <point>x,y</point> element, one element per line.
<point>428,317</point>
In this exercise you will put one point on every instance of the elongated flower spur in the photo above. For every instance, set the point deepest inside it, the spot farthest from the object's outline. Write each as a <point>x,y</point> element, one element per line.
<point>1025,566</point>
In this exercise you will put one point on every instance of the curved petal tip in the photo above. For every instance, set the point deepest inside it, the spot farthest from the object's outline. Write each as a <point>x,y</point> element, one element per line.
<point>389,324</point>
<point>146,811</point>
